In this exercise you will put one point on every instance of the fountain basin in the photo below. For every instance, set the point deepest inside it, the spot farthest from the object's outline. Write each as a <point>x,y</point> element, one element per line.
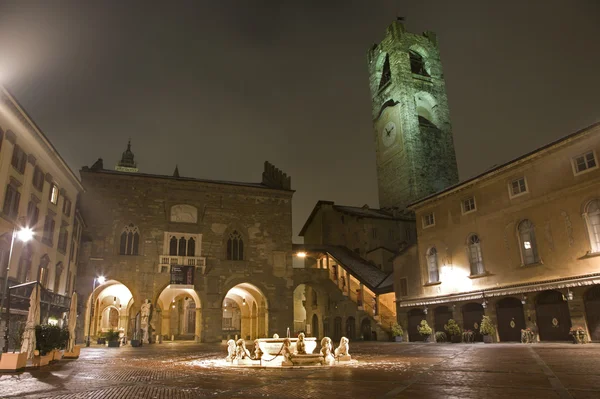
<point>272,346</point>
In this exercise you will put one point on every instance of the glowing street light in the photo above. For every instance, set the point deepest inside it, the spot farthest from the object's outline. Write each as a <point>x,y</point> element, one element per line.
<point>301,254</point>
<point>101,280</point>
<point>23,234</point>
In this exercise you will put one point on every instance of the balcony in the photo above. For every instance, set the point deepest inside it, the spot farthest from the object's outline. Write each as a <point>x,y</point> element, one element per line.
<point>165,261</point>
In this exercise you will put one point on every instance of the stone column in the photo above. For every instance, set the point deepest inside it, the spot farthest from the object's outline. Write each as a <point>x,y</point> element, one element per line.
<point>577,311</point>
<point>457,315</point>
<point>198,328</point>
<point>166,322</point>
<point>490,310</point>
<point>530,315</point>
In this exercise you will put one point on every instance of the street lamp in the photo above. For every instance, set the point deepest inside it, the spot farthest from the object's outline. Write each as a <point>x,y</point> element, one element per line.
<point>101,280</point>
<point>24,234</point>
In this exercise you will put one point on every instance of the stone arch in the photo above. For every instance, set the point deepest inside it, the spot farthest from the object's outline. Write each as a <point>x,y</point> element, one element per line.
<point>245,295</point>
<point>441,316</point>
<point>592,311</point>
<point>425,57</point>
<point>426,107</point>
<point>112,293</point>
<point>414,321</point>
<point>366,331</point>
<point>511,320</point>
<point>180,313</point>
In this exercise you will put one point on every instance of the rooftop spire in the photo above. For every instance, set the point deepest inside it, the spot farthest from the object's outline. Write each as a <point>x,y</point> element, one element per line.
<point>176,171</point>
<point>127,163</point>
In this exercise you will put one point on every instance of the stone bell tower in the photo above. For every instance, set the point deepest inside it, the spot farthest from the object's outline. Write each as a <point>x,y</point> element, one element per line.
<point>411,120</point>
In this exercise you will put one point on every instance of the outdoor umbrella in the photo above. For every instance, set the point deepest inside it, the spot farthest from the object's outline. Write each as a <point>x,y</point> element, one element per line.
<point>72,322</point>
<point>33,319</point>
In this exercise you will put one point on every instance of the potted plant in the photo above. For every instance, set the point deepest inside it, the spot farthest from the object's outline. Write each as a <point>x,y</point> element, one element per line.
<point>440,336</point>
<point>397,332</point>
<point>136,341</point>
<point>47,339</point>
<point>112,337</point>
<point>14,361</point>
<point>424,330</point>
<point>487,329</point>
<point>468,336</point>
<point>454,331</point>
<point>578,334</point>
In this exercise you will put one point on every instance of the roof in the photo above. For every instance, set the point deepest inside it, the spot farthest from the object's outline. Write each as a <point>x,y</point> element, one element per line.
<point>371,276</point>
<point>360,212</point>
<point>188,179</point>
<point>506,165</point>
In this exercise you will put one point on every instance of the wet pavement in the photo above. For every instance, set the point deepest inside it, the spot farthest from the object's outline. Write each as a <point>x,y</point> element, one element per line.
<point>383,370</point>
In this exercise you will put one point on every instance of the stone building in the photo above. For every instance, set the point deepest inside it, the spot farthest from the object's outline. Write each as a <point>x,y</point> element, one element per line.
<point>212,258</point>
<point>519,242</point>
<point>40,192</point>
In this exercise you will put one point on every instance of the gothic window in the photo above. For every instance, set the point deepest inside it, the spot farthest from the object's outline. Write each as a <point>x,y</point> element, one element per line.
<point>130,240</point>
<point>191,247</point>
<point>386,73</point>
<point>235,246</point>
<point>475,258</point>
<point>182,246</point>
<point>173,246</point>
<point>432,265</point>
<point>529,252</point>
<point>417,64</point>
<point>592,220</point>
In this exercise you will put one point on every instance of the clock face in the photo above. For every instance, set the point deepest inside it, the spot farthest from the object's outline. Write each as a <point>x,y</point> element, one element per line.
<point>388,134</point>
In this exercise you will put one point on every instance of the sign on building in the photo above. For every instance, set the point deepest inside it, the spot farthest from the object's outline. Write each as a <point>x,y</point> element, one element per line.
<point>183,275</point>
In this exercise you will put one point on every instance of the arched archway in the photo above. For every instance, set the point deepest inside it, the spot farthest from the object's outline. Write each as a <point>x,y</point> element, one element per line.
<point>299,309</point>
<point>180,313</point>
<point>592,311</point>
<point>510,319</point>
<point>414,321</point>
<point>111,300</point>
<point>365,329</point>
<point>248,313</point>
<point>553,317</point>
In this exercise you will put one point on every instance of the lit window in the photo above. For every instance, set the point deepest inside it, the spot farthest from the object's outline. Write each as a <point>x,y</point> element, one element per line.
<point>585,162</point>
<point>469,205</point>
<point>592,219</point>
<point>475,258</point>
<point>518,187</point>
<point>432,265</point>
<point>529,253</point>
<point>428,220</point>
<point>54,194</point>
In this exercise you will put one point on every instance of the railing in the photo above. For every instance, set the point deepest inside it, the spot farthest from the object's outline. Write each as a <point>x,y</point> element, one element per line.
<point>168,260</point>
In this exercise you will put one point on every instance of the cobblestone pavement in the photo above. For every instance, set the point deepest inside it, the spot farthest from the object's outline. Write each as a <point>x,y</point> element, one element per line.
<point>383,370</point>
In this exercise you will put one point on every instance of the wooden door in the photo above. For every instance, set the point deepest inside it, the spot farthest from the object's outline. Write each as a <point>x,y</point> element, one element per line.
<point>351,328</point>
<point>592,312</point>
<point>442,315</point>
<point>414,320</point>
<point>553,317</point>
<point>510,319</point>
<point>472,315</point>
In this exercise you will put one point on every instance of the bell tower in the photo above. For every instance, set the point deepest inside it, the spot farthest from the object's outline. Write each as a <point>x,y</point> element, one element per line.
<point>411,120</point>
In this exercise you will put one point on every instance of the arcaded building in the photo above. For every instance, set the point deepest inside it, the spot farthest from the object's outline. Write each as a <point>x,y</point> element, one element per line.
<point>213,258</point>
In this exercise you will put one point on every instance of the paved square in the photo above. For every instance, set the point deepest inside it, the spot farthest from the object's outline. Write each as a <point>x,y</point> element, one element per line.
<point>383,370</point>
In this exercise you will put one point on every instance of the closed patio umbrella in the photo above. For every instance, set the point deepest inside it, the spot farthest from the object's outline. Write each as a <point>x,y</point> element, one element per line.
<point>33,319</point>
<point>72,322</point>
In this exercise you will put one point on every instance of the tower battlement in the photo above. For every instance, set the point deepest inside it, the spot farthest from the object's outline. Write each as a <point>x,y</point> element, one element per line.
<point>275,178</point>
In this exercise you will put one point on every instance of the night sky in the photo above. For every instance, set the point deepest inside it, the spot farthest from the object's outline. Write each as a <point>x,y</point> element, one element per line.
<point>218,87</point>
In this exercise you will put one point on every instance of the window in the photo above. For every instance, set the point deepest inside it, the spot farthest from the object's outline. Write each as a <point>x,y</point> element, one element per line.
<point>130,240</point>
<point>48,236</point>
<point>63,239</point>
<point>468,205</point>
<point>38,179</point>
<point>428,220</point>
<point>191,247</point>
<point>33,213</point>
<point>25,264</point>
<point>386,73</point>
<point>432,265</point>
<point>54,194</point>
<point>529,253</point>
<point>11,201</point>
<point>518,187</point>
<point>182,246</point>
<point>417,64</point>
<point>43,271</point>
<point>585,162</point>
<point>67,207</point>
<point>235,246</point>
<point>475,258</point>
<point>57,275</point>
<point>19,159</point>
<point>592,220</point>
<point>403,287</point>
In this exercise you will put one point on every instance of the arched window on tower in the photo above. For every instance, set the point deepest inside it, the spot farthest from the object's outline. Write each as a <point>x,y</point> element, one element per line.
<point>386,73</point>
<point>235,246</point>
<point>475,258</point>
<point>417,64</point>
<point>529,252</point>
<point>592,220</point>
<point>130,240</point>
<point>432,265</point>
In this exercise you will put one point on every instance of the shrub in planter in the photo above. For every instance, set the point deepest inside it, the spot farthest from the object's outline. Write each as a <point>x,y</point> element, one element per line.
<point>397,332</point>
<point>441,336</point>
<point>453,330</point>
<point>527,336</point>
<point>112,337</point>
<point>578,334</point>
<point>48,338</point>
<point>468,336</point>
<point>425,330</point>
<point>487,329</point>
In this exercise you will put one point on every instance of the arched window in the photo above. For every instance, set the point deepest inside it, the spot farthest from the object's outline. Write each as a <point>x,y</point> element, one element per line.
<point>173,246</point>
<point>417,64</point>
<point>386,73</point>
<point>130,240</point>
<point>191,247</point>
<point>182,246</point>
<point>235,246</point>
<point>529,252</point>
<point>592,220</point>
<point>475,258</point>
<point>432,265</point>
<point>43,271</point>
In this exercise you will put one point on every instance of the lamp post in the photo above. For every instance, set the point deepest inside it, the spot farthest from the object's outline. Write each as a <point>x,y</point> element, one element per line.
<point>101,281</point>
<point>24,234</point>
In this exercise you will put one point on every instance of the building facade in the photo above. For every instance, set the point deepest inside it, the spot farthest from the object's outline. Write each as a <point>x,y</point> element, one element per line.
<point>519,243</point>
<point>38,191</point>
<point>212,258</point>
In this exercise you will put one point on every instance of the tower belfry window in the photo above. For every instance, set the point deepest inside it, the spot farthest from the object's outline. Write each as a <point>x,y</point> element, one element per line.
<point>386,73</point>
<point>417,64</point>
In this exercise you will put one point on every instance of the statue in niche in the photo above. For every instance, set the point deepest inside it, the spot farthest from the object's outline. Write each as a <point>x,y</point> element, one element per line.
<point>230,350</point>
<point>342,352</point>
<point>286,352</point>
<point>184,214</point>
<point>326,351</point>
<point>300,345</point>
